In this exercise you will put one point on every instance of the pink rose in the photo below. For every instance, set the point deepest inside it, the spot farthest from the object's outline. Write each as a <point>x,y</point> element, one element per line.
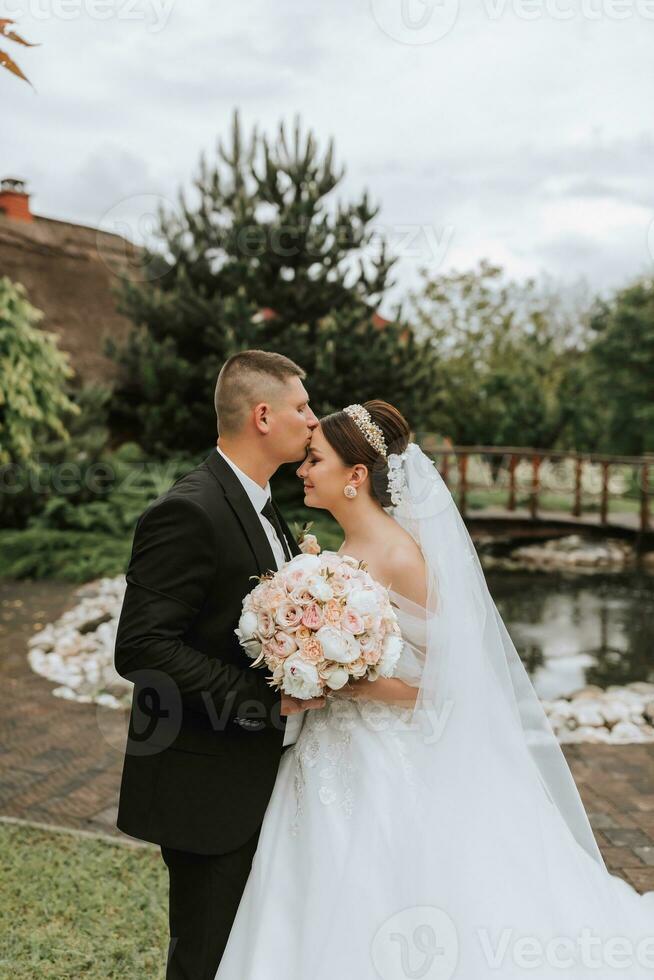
<point>288,615</point>
<point>266,623</point>
<point>293,577</point>
<point>276,595</point>
<point>282,644</point>
<point>311,650</point>
<point>312,616</point>
<point>352,622</point>
<point>332,612</point>
<point>339,586</point>
<point>309,545</point>
<point>370,645</point>
<point>301,596</point>
<point>371,656</point>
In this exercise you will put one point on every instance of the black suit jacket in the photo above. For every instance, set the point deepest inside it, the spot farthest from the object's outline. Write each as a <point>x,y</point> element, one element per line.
<point>205,732</point>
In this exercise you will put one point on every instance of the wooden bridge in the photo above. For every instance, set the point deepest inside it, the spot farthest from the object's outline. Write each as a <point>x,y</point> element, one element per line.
<point>523,504</point>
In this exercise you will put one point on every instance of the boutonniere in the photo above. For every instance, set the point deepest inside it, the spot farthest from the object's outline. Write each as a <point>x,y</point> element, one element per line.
<point>307,543</point>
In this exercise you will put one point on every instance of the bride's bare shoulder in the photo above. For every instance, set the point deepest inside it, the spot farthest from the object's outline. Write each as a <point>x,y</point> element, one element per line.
<point>405,569</point>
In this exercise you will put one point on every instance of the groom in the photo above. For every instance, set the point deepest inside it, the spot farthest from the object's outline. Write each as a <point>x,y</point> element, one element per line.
<point>206,731</point>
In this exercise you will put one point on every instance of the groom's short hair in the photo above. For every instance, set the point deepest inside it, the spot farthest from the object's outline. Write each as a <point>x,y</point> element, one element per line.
<point>247,378</point>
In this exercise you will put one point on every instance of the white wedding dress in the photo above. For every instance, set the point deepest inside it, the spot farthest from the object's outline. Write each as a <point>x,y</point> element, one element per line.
<point>354,879</point>
<point>444,841</point>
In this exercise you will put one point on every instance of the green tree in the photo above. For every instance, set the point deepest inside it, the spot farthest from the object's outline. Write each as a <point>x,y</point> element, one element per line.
<point>622,368</point>
<point>509,355</point>
<point>33,373</point>
<point>263,258</point>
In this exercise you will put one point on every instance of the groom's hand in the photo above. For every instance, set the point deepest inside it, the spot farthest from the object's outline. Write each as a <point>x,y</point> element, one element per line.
<point>293,706</point>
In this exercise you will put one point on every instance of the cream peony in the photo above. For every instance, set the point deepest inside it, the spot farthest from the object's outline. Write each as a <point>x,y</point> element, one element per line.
<point>337,678</point>
<point>248,625</point>
<point>391,650</point>
<point>364,601</point>
<point>338,645</point>
<point>319,587</point>
<point>301,679</point>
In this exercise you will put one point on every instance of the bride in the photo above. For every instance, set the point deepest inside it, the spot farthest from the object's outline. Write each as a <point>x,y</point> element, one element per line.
<point>427,825</point>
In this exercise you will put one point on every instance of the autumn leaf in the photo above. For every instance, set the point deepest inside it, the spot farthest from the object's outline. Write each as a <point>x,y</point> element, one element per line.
<point>5,60</point>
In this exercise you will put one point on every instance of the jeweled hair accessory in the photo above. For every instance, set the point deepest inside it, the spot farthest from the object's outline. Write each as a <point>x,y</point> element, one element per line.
<point>373,434</point>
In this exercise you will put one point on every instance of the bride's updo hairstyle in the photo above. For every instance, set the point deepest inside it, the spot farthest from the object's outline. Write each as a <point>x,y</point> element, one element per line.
<point>343,434</point>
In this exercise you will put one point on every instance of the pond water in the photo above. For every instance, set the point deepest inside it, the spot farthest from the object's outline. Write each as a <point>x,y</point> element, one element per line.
<point>576,629</point>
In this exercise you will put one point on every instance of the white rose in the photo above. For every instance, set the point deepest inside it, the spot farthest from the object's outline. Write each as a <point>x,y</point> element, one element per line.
<point>391,650</point>
<point>248,625</point>
<point>338,645</point>
<point>337,678</point>
<point>363,601</point>
<point>301,679</point>
<point>319,588</point>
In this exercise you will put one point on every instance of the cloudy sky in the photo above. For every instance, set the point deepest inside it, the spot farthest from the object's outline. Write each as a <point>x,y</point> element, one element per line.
<point>517,130</point>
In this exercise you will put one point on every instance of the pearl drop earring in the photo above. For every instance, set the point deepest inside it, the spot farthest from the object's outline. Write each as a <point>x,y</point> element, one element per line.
<point>350,491</point>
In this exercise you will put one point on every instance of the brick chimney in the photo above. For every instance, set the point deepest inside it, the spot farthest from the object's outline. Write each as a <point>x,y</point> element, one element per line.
<point>14,200</point>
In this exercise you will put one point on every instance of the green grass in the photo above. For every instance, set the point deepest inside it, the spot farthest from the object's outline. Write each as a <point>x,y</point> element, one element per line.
<point>75,907</point>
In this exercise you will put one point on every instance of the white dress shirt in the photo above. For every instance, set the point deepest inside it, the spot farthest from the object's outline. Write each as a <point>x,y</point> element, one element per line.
<point>258,496</point>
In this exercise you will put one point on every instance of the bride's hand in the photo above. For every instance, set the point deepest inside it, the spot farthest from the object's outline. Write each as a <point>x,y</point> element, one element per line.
<point>388,690</point>
<point>293,706</point>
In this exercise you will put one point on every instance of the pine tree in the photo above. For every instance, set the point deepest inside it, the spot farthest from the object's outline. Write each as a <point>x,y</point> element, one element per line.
<point>261,258</point>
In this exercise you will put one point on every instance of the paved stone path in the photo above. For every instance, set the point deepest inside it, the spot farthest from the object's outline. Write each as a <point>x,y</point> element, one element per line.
<point>60,762</point>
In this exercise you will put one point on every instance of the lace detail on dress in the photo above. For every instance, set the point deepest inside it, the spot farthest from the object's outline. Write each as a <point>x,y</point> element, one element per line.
<point>325,738</point>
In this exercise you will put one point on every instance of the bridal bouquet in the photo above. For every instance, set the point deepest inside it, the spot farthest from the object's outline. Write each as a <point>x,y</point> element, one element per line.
<point>317,622</point>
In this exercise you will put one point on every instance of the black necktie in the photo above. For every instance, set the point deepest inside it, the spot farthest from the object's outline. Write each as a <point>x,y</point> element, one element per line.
<point>269,513</point>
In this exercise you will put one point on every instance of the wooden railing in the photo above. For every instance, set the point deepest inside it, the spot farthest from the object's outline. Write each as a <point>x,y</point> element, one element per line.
<point>510,456</point>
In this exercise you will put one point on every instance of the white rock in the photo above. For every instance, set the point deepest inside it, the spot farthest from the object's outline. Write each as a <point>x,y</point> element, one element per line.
<point>642,687</point>
<point>82,662</point>
<point>591,691</point>
<point>626,730</point>
<point>588,715</point>
<point>615,711</point>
